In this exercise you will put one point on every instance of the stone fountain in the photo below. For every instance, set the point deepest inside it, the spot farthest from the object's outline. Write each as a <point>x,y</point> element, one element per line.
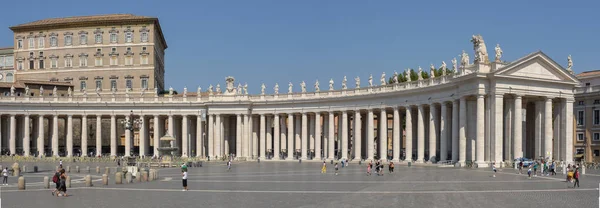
<point>166,148</point>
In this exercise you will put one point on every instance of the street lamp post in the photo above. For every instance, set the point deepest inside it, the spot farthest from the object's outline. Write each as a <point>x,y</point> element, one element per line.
<point>131,124</point>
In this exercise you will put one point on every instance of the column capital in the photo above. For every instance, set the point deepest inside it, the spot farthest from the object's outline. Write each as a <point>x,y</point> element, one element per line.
<point>518,96</point>
<point>499,95</point>
<point>549,98</point>
<point>480,96</point>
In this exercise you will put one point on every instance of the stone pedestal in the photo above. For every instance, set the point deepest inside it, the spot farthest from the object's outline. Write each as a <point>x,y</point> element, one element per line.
<point>88,180</point>
<point>119,178</point>
<point>104,179</point>
<point>144,176</point>
<point>106,170</point>
<point>97,169</point>
<point>68,169</point>
<point>128,178</point>
<point>46,182</point>
<point>87,169</point>
<point>21,183</point>
<point>24,169</point>
<point>77,169</point>
<point>68,181</point>
<point>16,169</point>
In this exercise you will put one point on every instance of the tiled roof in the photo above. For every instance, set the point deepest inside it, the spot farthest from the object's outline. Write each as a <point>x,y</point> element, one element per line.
<point>588,74</point>
<point>82,19</point>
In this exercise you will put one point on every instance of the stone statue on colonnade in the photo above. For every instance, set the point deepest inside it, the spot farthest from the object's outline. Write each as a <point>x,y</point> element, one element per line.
<point>276,88</point>
<point>431,71</point>
<point>303,86</point>
<point>290,85</point>
<point>357,81</point>
<point>407,76</point>
<point>371,80</point>
<point>317,88</point>
<point>420,73</point>
<point>382,79</point>
<point>395,78</point>
<point>331,84</point>
<point>262,89</point>
<point>443,68</point>
<point>569,64</point>
<point>498,52</point>
<point>454,64</point>
<point>481,55</point>
<point>344,86</point>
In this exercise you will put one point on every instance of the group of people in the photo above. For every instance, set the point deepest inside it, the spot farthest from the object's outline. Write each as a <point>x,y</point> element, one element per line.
<point>60,181</point>
<point>545,168</point>
<point>379,167</point>
<point>573,174</point>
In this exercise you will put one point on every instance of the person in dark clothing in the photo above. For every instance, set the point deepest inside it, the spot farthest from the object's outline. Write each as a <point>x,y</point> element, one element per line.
<point>576,176</point>
<point>56,181</point>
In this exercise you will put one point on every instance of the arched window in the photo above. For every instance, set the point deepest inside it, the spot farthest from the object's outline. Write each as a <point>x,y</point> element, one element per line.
<point>9,77</point>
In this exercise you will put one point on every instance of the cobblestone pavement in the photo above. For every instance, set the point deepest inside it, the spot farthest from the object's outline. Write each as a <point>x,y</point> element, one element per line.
<point>291,184</point>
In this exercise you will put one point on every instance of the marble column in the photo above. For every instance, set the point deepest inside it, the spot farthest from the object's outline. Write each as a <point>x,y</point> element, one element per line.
<point>311,136</point>
<point>276,137</point>
<point>290,136</point>
<point>480,140</point>
<point>539,129</point>
<point>184,136</point>
<point>498,128</point>
<point>238,135</point>
<point>518,132</point>
<point>325,136</point>
<point>444,131</point>
<point>218,138</point>
<point>211,135</point>
<point>331,134</point>
<point>455,130</point>
<point>268,135</point>
<point>548,134</point>
<point>567,134</point>
<point>433,129</point>
<point>396,135</point>
<point>357,135</point>
<point>255,136</point>
<point>40,137</point>
<point>200,137</point>
<point>317,128</point>
<point>54,135</point>
<point>26,136</point>
<point>113,135</point>
<point>12,143</point>
<point>462,131</point>
<point>84,136</point>
<point>262,137</point>
<point>370,136</point>
<point>409,135</point>
<point>143,135</point>
<point>128,136</point>
<point>246,137</point>
<point>304,139</point>
<point>420,134</point>
<point>156,135</point>
<point>98,135</point>
<point>344,135</point>
<point>383,139</point>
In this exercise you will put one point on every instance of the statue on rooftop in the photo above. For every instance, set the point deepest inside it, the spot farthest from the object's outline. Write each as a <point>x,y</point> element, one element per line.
<point>371,80</point>
<point>184,91</point>
<point>262,88</point>
<point>331,84</point>
<point>443,68</point>
<point>357,81</point>
<point>55,92</point>
<point>170,91</point>
<point>382,79</point>
<point>344,86</point>
<point>407,76</point>
<point>570,64</point>
<point>41,91</point>
<point>454,64</point>
<point>317,88</point>
<point>27,90</point>
<point>210,89</point>
<point>498,52</point>
<point>420,73</point>
<point>276,88</point>
<point>218,89</point>
<point>464,59</point>
<point>481,55</point>
<point>431,71</point>
<point>245,88</point>
<point>69,92</point>
<point>290,85</point>
<point>395,78</point>
<point>303,86</point>
<point>12,90</point>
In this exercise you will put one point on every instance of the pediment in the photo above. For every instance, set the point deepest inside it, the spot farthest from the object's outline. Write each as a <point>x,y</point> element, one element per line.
<point>536,66</point>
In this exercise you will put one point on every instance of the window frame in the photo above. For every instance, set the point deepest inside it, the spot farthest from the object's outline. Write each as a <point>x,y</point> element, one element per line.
<point>580,137</point>
<point>10,77</point>
<point>54,63</point>
<point>114,38</point>
<point>596,136</point>
<point>99,84</point>
<point>83,39</point>
<point>20,44</point>
<point>83,61</point>
<point>31,43</point>
<point>98,61</point>
<point>144,37</point>
<point>129,37</point>
<point>53,41</point>
<point>142,82</point>
<point>596,117</point>
<point>82,84</point>
<point>144,59</point>
<point>113,82</point>
<point>580,117</point>
<point>41,42</point>
<point>98,38</point>
<point>129,83</point>
<point>68,40</point>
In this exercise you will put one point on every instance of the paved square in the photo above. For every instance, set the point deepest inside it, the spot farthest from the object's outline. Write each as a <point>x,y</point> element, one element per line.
<point>291,184</point>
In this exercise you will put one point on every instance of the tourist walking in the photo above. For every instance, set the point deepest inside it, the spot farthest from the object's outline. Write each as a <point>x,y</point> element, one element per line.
<point>229,166</point>
<point>494,169</point>
<point>56,181</point>
<point>576,176</point>
<point>521,167</point>
<point>391,167</point>
<point>336,169</point>
<point>377,167</point>
<point>553,168</point>
<point>60,164</point>
<point>529,172</point>
<point>5,176</point>
<point>369,167</point>
<point>62,183</point>
<point>324,167</point>
<point>184,180</point>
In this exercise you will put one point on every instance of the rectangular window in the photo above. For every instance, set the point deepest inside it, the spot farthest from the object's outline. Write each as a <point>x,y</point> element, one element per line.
<point>83,39</point>
<point>99,84</point>
<point>31,64</point>
<point>128,84</point>
<point>128,60</point>
<point>41,42</point>
<point>596,153</point>
<point>98,38</point>
<point>53,41</point>
<point>113,84</point>
<point>54,63</point>
<point>113,38</point>
<point>128,37</point>
<point>581,103</point>
<point>20,65</point>
<point>596,136</point>
<point>69,62</point>
<point>98,61</point>
<point>580,118</point>
<point>82,85</point>
<point>19,44</point>
<point>113,61</point>
<point>144,37</point>
<point>596,117</point>
<point>9,61</point>
<point>68,40</point>
<point>580,137</point>
<point>144,83</point>
<point>41,64</point>
<point>31,43</point>
<point>83,61</point>
<point>596,101</point>
<point>144,59</point>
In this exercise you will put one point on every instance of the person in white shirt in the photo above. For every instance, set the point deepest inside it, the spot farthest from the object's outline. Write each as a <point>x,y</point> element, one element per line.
<point>5,176</point>
<point>184,180</point>
<point>494,169</point>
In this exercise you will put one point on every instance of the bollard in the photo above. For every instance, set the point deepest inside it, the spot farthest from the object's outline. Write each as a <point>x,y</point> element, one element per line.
<point>46,182</point>
<point>409,164</point>
<point>21,183</point>
<point>88,180</point>
<point>68,181</point>
<point>144,176</point>
<point>107,170</point>
<point>68,169</point>
<point>105,179</point>
<point>119,178</point>
<point>16,169</point>
<point>97,169</point>
<point>24,169</point>
<point>77,169</point>
<point>128,178</point>
<point>138,178</point>
<point>332,162</point>
<point>200,165</point>
<point>35,169</point>
<point>151,175</point>
<point>87,169</point>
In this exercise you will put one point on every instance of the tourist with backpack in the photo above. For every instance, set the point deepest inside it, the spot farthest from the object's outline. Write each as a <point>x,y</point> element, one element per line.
<point>576,177</point>
<point>55,180</point>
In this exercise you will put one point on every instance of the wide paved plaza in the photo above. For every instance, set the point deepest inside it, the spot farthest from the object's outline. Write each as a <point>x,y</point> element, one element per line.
<point>292,184</point>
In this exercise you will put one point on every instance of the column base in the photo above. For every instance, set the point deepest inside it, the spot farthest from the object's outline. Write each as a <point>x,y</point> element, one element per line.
<point>482,164</point>
<point>419,161</point>
<point>396,160</point>
<point>462,163</point>
<point>289,158</point>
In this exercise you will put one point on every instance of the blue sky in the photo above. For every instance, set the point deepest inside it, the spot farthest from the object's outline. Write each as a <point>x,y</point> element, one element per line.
<point>281,41</point>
